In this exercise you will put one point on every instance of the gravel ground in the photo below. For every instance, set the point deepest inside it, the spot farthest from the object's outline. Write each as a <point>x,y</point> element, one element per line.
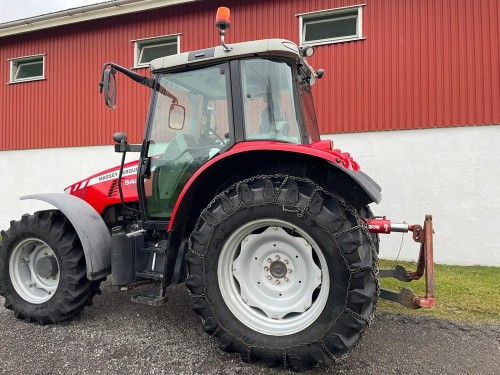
<point>117,336</point>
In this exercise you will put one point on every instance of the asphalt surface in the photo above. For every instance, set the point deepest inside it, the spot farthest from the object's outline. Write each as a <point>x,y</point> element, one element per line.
<point>117,336</point>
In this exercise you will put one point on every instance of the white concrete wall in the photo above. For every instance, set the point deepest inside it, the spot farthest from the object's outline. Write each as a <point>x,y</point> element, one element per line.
<point>451,173</point>
<point>47,171</point>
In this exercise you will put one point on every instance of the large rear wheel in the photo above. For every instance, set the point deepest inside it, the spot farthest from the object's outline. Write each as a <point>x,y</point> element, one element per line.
<point>281,270</point>
<point>43,274</point>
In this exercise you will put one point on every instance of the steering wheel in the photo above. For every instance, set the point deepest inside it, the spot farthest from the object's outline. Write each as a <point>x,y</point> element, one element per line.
<point>208,131</point>
<point>182,144</point>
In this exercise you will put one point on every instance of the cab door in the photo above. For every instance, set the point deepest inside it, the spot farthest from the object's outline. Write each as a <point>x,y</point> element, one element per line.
<point>190,123</point>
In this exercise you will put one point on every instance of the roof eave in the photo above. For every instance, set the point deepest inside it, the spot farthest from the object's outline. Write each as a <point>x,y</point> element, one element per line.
<point>82,14</point>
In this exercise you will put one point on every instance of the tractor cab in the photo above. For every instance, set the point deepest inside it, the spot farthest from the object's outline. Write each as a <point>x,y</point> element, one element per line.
<point>205,102</point>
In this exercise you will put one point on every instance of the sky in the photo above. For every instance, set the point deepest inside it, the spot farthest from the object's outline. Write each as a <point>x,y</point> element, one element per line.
<point>11,10</point>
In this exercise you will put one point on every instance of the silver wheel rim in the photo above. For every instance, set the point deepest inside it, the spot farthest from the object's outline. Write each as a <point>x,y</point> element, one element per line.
<point>26,280</point>
<point>273,277</point>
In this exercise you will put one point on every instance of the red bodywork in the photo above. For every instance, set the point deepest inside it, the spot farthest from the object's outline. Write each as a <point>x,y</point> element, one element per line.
<point>101,190</point>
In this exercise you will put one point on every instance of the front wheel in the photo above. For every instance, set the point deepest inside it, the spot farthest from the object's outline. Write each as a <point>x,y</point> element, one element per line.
<point>283,271</point>
<point>43,274</point>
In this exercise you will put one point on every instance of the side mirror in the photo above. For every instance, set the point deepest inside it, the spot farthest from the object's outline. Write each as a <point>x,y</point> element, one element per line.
<point>176,117</point>
<point>109,87</point>
<point>120,138</point>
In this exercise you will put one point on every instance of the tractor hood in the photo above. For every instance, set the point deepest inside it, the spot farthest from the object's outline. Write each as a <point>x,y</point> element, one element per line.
<point>101,189</point>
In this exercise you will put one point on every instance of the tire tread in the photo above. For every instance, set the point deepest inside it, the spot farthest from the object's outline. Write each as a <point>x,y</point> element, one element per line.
<point>74,292</point>
<point>317,207</point>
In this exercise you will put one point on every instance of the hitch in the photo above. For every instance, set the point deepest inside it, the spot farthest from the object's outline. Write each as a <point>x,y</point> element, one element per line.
<point>425,264</point>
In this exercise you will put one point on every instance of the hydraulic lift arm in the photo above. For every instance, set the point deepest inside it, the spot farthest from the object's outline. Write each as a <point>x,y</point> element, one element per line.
<point>425,264</point>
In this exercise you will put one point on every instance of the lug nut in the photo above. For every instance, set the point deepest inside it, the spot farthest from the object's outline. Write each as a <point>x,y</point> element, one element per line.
<point>269,260</point>
<point>290,270</point>
<point>269,278</point>
<point>286,279</point>
<point>275,228</point>
<point>285,261</point>
<point>277,281</point>
<point>45,253</point>
<point>266,268</point>
<point>277,257</point>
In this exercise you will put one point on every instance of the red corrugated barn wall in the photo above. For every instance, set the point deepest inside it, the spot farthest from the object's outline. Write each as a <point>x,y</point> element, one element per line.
<point>423,64</point>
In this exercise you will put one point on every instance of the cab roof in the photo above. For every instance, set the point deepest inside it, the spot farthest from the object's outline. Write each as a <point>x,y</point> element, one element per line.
<point>264,47</point>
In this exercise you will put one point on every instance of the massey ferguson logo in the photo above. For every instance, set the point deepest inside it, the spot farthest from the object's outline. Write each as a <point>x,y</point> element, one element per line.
<point>108,176</point>
<point>112,175</point>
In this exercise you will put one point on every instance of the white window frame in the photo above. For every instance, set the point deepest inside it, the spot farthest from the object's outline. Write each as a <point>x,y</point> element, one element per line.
<point>25,60</point>
<point>305,18</point>
<point>161,40</point>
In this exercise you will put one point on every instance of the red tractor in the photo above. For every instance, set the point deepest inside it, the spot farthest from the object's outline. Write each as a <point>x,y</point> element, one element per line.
<point>234,194</point>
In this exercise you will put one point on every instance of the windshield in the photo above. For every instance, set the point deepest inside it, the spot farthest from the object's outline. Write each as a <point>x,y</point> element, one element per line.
<point>270,111</point>
<point>177,152</point>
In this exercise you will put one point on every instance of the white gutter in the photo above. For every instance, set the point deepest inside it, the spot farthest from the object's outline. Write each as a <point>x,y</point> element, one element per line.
<point>85,13</point>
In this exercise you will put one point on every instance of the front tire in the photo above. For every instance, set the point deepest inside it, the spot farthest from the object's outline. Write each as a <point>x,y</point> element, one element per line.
<point>281,270</point>
<point>43,274</point>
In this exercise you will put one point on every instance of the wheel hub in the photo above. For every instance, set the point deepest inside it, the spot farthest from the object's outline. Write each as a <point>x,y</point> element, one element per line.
<point>278,269</point>
<point>47,267</point>
<point>34,270</point>
<point>287,275</point>
<point>270,279</point>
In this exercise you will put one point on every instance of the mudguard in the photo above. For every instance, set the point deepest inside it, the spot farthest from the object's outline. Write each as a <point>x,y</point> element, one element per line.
<point>323,150</point>
<point>91,229</point>
<point>365,182</point>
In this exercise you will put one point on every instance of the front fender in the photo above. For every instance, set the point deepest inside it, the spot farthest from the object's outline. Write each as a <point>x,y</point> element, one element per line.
<point>91,229</point>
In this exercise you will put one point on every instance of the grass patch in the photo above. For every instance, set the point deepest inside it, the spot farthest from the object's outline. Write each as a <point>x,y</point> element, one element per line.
<point>465,293</point>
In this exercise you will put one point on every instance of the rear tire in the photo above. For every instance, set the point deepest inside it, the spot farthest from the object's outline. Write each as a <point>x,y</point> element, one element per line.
<point>43,274</point>
<point>283,272</point>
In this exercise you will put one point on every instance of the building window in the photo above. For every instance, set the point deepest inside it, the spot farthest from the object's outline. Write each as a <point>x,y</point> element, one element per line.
<point>27,68</point>
<point>149,49</point>
<point>331,26</point>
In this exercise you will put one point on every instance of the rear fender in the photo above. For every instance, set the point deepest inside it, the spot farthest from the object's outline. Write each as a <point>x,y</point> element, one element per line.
<point>91,229</point>
<point>247,160</point>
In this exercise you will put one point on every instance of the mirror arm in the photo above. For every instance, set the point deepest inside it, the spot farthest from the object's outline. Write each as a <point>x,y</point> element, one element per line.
<point>120,190</point>
<point>125,147</point>
<point>162,90</point>
<point>149,82</point>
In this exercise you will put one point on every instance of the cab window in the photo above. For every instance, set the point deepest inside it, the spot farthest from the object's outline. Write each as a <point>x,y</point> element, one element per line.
<point>270,111</point>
